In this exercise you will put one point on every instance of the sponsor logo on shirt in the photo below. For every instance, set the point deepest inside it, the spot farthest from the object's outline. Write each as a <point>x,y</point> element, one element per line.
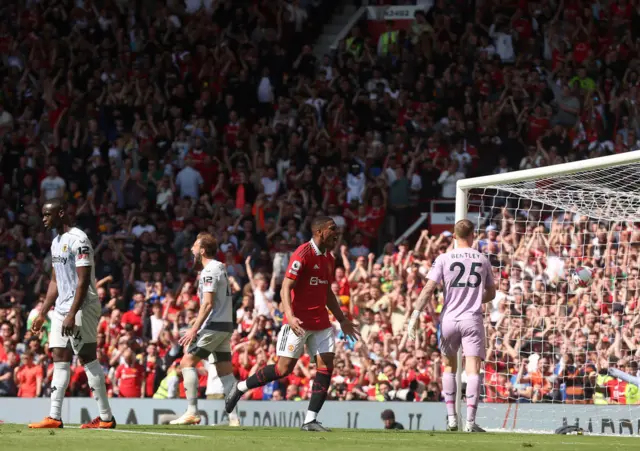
<point>58,259</point>
<point>317,281</point>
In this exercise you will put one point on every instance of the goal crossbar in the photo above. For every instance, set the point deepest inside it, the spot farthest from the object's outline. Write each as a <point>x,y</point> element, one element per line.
<point>549,171</point>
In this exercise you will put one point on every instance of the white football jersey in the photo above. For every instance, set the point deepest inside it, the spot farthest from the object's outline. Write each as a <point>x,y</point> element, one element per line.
<point>69,251</point>
<point>214,279</point>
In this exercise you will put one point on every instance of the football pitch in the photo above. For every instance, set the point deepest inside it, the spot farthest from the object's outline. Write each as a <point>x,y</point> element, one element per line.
<point>166,438</point>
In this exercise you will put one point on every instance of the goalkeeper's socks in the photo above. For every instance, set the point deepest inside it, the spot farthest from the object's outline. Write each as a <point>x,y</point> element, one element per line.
<point>261,377</point>
<point>190,377</point>
<point>472,394</point>
<point>452,421</point>
<point>59,383</point>
<point>95,378</point>
<point>449,389</point>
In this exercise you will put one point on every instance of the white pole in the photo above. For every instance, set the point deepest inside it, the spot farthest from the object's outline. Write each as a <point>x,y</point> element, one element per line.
<point>547,172</point>
<point>461,213</point>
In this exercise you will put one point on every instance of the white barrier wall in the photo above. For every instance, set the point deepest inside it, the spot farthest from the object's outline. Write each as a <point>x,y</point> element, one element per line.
<point>364,415</point>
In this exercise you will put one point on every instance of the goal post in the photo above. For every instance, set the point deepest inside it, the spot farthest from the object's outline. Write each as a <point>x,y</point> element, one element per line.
<point>536,226</point>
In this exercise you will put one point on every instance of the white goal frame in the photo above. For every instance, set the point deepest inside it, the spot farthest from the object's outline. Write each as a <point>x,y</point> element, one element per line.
<point>465,185</point>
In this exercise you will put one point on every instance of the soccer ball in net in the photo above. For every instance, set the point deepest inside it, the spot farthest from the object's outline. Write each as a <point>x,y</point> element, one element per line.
<point>582,277</point>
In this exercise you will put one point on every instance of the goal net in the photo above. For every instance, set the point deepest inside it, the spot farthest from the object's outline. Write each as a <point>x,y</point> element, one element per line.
<point>551,346</point>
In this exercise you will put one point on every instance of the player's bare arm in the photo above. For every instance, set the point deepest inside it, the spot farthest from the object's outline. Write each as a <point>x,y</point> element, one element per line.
<point>49,300</point>
<point>205,308</point>
<point>423,301</point>
<point>425,295</point>
<point>84,279</point>
<point>285,296</point>
<point>334,307</point>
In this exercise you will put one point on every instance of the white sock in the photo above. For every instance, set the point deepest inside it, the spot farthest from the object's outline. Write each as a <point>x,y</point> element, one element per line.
<point>59,383</point>
<point>191,387</point>
<point>453,419</point>
<point>95,377</point>
<point>311,416</point>
<point>227,383</point>
<point>242,386</point>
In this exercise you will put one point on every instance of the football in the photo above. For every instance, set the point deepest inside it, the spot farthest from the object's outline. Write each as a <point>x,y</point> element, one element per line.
<point>582,277</point>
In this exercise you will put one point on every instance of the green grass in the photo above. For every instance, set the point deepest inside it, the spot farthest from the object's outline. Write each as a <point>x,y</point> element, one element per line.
<point>155,438</point>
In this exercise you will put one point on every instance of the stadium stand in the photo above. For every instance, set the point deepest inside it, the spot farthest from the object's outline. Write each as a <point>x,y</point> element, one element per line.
<point>157,121</point>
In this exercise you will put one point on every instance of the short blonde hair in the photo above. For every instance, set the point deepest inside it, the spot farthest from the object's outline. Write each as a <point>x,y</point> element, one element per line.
<point>463,229</point>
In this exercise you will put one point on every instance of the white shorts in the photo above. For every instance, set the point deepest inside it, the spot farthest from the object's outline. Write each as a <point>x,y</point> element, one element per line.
<point>318,342</point>
<point>212,344</point>
<point>86,328</point>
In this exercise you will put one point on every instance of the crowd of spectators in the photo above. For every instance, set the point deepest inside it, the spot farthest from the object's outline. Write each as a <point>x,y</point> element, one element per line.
<point>157,120</point>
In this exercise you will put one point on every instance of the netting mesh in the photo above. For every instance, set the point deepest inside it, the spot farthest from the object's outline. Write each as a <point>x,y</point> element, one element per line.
<point>551,345</point>
<point>610,194</point>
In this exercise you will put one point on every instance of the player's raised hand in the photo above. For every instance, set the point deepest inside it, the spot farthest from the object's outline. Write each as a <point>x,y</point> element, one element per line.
<point>350,330</point>
<point>296,326</point>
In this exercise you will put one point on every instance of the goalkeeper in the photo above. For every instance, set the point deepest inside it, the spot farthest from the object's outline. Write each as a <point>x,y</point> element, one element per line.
<point>467,281</point>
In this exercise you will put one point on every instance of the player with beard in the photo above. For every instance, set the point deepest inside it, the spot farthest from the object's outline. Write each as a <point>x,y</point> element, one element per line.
<point>211,332</point>
<point>306,294</point>
<point>74,325</point>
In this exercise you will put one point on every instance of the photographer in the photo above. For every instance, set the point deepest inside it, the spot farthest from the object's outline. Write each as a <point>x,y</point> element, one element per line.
<point>389,420</point>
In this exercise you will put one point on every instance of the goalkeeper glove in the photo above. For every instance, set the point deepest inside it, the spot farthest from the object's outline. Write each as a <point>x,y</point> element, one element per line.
<point>413,323</point>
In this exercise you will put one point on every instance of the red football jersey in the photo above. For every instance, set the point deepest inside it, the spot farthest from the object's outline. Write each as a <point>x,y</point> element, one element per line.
<point>131,378</point>
<point>617,391</point>
<point>313,273</point>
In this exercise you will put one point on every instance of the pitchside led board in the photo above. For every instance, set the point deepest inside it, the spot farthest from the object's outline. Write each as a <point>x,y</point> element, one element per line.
<point>402,17</point>
<point>421,416</point>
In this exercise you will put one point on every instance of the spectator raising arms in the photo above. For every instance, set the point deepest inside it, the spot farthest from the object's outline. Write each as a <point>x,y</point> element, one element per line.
<point>221,118</point>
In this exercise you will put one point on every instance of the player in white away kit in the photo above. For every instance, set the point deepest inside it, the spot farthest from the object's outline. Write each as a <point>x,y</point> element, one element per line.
<point>74,326</point>
<point>467,282</point>
<point>211,332</point>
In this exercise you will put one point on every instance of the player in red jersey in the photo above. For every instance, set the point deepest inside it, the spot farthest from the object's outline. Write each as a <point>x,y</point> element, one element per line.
<point>306,294</point>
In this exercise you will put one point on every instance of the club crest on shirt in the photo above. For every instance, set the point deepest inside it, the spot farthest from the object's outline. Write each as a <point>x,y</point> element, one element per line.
<point>65,248</point>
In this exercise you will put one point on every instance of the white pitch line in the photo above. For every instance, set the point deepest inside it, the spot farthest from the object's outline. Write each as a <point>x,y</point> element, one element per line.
<point>124,431</point>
